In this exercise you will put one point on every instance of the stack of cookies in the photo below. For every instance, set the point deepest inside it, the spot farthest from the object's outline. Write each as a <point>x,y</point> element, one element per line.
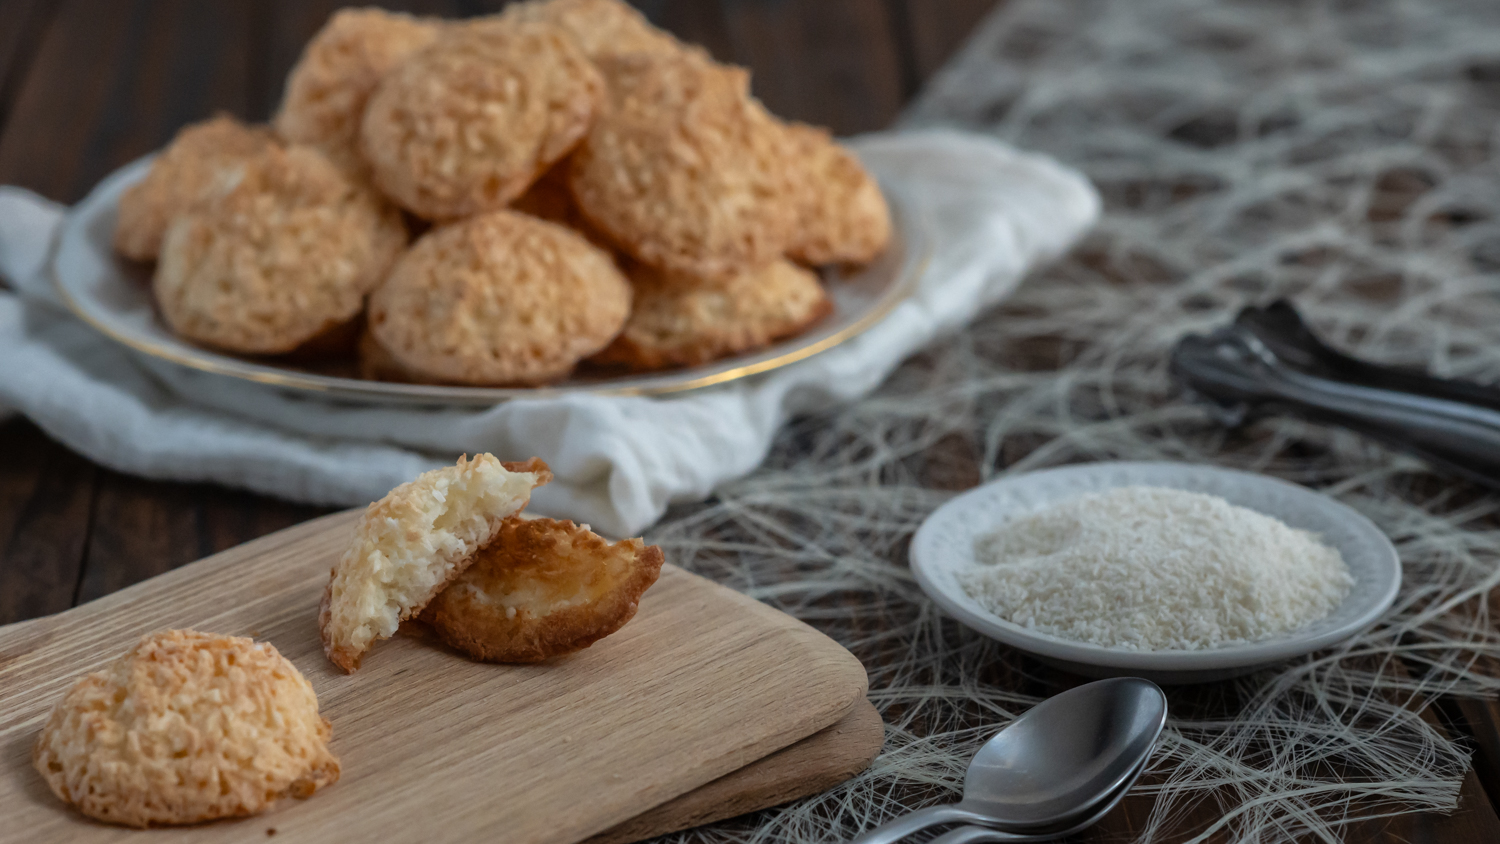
<point>585,189</point>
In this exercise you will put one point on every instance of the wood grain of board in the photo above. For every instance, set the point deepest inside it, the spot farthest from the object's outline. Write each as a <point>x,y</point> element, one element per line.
<point>438,748</point>
<point>813,765</point>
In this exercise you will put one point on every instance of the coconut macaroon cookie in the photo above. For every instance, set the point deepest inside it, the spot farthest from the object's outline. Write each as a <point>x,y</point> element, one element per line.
<point>467,124</point>
<point>412,542</point>
<point>684,321</point>
<point>543,588</point>
<point>327,89</point>
<point>550,198</point>
<point>286,255</point>
<point>684,170</point>
<point>186,727</point>
<point>845,218</point>
<point>199,162</point>
<point>600,27</point>
<point>500,298</point>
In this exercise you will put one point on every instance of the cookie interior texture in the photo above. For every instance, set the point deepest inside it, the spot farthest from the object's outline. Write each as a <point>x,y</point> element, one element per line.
<point>186,727</point>
<point>412,543</point>
<point>543,588</point>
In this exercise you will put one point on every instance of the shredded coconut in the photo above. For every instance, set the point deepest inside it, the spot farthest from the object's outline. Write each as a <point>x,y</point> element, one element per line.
<point>1156,569</point>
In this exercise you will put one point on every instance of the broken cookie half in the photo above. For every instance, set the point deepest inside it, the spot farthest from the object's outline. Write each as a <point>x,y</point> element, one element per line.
<point>414,542</point>
<point>543,588</point>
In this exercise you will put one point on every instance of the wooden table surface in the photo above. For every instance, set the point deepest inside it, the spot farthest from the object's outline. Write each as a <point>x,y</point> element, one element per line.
<point>88,85</point>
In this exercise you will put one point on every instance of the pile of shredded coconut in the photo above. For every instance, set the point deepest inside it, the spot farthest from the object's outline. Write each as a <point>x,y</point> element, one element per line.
<point>1156,569</point>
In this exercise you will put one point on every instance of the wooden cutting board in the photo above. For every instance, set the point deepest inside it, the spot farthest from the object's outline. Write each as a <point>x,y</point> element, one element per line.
<point>438,748</point>
<point>811,766</point>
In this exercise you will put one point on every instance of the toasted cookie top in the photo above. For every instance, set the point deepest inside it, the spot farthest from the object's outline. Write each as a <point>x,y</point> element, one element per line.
<point>681,320</point>
<point>186,727</point>
<point>543,588</point>
<point>845,219</point>
<point>467,124</point>
<point>198,163</point>
<point>600,27</point>
<point>286,254</point>
<point>500,298</point>
<point>684,169</point>
<point>327,89</point>
<point>411,543</point>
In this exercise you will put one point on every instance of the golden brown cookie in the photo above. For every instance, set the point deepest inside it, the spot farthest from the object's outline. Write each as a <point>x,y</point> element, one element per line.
<point>501,298</point>
<point>541,589</point>
<point>468,124</point>
<point>327,89</point>
<point>412,542</point>
<point>186,727</point>
<point>845,219</point>
<point>600,27</point>
<point>285,256</point>
<point>550,198</point>
<point>199,162</point>
<point>684,170</point>
<point>679,321</point>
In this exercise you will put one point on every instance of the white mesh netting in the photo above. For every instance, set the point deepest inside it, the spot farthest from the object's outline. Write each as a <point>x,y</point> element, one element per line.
<point>1346,155</point>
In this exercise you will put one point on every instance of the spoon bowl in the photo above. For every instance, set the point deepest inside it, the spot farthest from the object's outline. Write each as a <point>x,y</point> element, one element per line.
<point>1095,814</point>
<point>1065,752</point>
<point>1055,765</point>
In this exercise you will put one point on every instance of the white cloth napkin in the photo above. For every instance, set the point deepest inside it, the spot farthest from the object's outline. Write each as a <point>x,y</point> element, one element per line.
<point>619,461</point>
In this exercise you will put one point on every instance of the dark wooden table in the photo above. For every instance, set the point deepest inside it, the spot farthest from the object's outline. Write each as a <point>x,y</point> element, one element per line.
<point>88,85</point>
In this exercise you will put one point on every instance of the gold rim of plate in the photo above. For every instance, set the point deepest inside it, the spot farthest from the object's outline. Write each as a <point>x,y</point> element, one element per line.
<point>909,265</point>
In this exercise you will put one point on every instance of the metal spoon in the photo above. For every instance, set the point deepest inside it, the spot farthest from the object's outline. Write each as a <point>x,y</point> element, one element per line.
<point>984,835</point>
<point>1052,765</point>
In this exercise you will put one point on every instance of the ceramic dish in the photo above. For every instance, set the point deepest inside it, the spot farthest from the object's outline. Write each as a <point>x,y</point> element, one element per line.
<point>944,545</point>
<point>113,295</point>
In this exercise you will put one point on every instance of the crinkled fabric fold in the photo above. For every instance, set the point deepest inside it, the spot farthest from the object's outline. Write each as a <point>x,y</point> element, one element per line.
<point>994,212</point>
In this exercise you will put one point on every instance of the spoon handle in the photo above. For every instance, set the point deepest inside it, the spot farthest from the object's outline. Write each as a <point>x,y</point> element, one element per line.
<point>917,821</point>
<point>977,834</point>
<point>981,835</point>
